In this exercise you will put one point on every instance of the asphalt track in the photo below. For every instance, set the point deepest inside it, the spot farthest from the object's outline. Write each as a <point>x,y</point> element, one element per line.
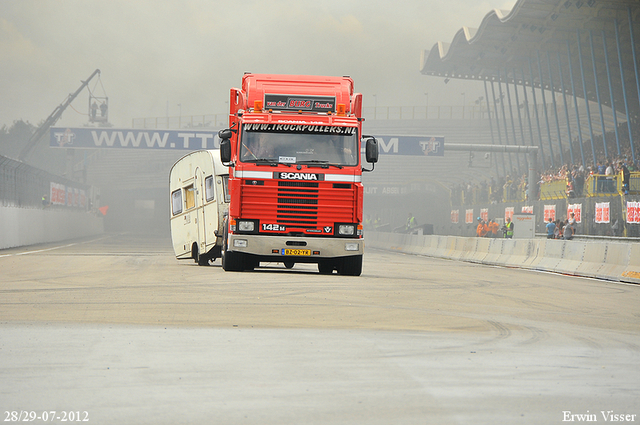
<point>116,327</point>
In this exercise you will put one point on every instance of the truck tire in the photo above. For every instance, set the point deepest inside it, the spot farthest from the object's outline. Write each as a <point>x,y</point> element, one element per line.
<point>350,266</point>
<point>326,267</point>
<point>231,261</point>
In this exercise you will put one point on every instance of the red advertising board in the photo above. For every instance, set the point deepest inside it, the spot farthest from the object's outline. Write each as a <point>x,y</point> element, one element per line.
<point>602,212</point>
<point>549,213</point>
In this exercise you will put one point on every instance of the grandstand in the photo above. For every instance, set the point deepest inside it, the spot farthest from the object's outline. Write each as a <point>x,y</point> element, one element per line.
<point>579,49</point>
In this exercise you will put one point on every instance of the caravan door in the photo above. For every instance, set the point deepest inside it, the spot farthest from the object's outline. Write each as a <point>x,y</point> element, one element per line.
<point>200,213</point>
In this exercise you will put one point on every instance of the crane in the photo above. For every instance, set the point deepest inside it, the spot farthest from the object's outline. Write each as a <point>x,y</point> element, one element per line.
<point>52,119</point>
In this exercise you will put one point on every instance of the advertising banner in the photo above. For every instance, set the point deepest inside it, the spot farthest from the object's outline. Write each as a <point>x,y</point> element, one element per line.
<point>576,209</point>
<point>484,214</point>
<point>633,212</point>
<point>527,209</point>
<point>60,194</point>
<point>113,138</point>
<point>468,216</point>
<point>455,216</point>
<point>508,213</point>
<point>549,213</point>
<point>283,102</point>
<point>57,194</point>
<point>602,212</point>
<point>411,145</point>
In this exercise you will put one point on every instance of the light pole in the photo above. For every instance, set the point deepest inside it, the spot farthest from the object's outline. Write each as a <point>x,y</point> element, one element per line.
<point>180,115</point>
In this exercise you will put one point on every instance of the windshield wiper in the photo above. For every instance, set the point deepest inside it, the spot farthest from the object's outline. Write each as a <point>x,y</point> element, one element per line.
<point>268,161</point>
<point>319,162</point>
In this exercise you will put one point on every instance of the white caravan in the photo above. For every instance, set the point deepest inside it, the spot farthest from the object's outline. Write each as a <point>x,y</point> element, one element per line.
<point>198,183</point>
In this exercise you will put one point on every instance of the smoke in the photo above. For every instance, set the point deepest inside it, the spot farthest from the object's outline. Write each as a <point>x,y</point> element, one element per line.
<point>155,55</point>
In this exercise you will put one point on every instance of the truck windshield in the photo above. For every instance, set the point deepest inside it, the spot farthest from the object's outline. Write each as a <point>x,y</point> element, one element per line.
<point>338,147</point>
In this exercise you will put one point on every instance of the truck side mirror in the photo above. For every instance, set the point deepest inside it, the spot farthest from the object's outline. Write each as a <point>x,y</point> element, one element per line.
<point>225,151</point>
<point>225,133</point>
<point>371,150</point>
<point>225,145</point>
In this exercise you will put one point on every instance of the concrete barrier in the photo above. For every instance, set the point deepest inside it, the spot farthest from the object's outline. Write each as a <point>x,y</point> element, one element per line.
<point>458,248</point>
<point>416,243</point>
<point>550,254</point>
<point>506,252</point>
<point>593,258</point>
<point>430,245</point>
<point>610,260</point>
<point>632,272</point>
<point>28,226</point>
<point>520,251</point>
<point>572,257</point>
<point>495,251</point>
<point>441,246</point>
<point>482,249</point>
<point>615,262</point>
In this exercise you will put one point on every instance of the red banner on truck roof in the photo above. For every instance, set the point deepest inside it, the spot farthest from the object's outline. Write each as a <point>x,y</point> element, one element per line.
<point>280,102</point>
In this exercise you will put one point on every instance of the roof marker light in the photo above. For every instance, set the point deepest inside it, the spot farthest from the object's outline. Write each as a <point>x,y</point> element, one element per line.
<point>257,106</point>
<point>341,109</point>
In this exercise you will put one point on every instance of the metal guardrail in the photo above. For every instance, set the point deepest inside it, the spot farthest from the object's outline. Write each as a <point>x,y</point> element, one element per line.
<point>596,185</point>
<point>556,189</point>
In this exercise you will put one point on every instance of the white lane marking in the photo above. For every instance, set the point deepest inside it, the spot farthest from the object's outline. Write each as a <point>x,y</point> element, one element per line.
<point>50,249</point>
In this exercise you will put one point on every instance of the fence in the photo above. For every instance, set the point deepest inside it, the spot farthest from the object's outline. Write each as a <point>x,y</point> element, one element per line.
<point>440,112</point>
<point>187,121</point>
<point>22,185</point>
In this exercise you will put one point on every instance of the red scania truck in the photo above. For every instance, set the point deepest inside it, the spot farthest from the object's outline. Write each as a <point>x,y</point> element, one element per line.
<point>293,148</point>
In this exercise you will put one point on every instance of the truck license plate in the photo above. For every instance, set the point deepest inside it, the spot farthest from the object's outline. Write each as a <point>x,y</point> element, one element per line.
<point>298,252</point>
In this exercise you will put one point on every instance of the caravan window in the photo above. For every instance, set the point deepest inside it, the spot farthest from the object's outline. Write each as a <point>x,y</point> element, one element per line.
<point>189,197</point>
<point>208,189</point>
<point>176,202</point>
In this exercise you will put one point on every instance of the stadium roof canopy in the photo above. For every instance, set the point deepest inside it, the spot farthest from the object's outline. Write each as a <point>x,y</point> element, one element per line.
<point>537,42</point>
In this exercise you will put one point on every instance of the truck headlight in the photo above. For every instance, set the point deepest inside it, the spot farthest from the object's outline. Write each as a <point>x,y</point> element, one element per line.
<point>351,247</point>
<point>240,243</point>
<point>246,226</point>
<point>347,229</point>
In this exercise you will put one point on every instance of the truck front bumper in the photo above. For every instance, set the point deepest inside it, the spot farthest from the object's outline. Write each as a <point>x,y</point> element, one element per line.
<point>287,247</point>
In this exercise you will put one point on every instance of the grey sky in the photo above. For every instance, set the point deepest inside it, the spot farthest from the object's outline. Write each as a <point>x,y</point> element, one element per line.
<point>156,54</point>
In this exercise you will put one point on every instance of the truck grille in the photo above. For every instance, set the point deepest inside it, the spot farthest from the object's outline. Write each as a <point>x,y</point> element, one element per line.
<point>298,204</point>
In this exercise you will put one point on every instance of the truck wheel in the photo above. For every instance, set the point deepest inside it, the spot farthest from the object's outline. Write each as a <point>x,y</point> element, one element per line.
<point>325,267</point>
<point>231,261</point>
<point>351,266</point>
<point>249,263</point>
<point>289,264</point>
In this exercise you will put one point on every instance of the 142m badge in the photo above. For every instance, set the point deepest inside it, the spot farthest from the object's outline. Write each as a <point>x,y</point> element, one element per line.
<point>274,227</point>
